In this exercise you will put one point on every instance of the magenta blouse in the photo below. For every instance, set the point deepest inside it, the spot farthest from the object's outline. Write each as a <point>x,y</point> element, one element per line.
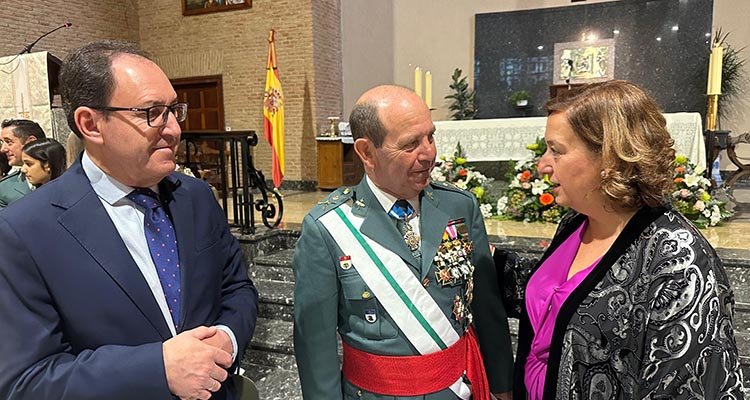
<point>546,292</point>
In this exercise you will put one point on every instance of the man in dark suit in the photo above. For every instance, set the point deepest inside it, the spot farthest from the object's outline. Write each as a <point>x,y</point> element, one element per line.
<point>120,279</point>
<point>401,269</point>
<point>15,134</point>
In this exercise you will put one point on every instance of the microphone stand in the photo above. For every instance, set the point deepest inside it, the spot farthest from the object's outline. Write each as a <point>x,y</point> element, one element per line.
<point>28,48</point>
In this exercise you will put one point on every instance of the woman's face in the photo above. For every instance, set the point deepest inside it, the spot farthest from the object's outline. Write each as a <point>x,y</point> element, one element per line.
<point>573,169</point>
<point>37,173</point>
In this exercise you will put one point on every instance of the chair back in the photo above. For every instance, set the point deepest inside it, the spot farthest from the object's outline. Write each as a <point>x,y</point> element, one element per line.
<point>245,387</point>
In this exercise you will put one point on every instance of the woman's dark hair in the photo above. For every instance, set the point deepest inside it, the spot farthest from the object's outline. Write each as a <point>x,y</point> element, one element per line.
<point>47,151</point>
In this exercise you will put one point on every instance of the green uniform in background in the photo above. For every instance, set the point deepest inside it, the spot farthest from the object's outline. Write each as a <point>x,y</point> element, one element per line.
<point>12,188</point>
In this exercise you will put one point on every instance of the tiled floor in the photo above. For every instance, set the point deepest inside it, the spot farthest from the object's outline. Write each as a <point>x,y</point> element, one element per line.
<point>734,234</point>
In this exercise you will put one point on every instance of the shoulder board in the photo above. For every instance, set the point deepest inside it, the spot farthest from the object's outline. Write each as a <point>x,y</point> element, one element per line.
<point>332,201</point>
<point>449,186</point>
<point>11,175</point>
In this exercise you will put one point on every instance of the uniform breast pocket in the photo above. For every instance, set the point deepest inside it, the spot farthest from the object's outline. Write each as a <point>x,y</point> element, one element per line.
<point>362,310</point>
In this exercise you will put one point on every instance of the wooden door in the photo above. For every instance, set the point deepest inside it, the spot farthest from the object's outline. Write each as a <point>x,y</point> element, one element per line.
<point>205,103</point>
<point>205,113</point>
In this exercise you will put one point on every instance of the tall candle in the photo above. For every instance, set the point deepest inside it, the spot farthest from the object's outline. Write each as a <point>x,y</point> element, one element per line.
<point>714,70</point>
<point>428,88</point>
<point>418,81</point>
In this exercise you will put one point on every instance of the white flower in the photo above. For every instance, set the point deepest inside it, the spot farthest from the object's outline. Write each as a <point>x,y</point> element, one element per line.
<point>521,164</point>
<point>526,185</point>
<point>436,174</point>
<point>502,204</point>
<point>461,184</point>
<point>515,183</point>
<point>692,180</point>
<point>699,205</point>
<point>538,187</point>
<point>184,170</point>
<point>486,210</point>
<point>707,212</point>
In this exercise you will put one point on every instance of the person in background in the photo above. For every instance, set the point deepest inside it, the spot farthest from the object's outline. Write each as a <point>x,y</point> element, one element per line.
<point>629,301</point>
<point>400,268</point>
<point>15,134</point>
<point>120,279</point>
<point>4,166</point>
<point>43,161</point>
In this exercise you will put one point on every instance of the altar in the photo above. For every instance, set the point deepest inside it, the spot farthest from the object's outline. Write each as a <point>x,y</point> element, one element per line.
<point>506,138</point>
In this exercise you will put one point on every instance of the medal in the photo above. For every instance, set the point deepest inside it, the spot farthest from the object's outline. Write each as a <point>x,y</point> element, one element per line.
<point>345,262</point>
<point>459,309</point>
<point>411,238</point>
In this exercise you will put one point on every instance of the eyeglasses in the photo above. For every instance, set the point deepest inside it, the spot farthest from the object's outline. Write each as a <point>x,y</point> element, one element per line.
<point>157,115</point>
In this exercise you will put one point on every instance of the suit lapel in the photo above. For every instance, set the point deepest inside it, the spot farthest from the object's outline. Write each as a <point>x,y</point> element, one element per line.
<point>379,227</point>
<point>181,209</point>
<point>88,221</point>
<point>432,225</point>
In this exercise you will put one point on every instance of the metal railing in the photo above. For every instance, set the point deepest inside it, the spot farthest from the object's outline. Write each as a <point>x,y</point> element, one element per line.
<point>238,179</point>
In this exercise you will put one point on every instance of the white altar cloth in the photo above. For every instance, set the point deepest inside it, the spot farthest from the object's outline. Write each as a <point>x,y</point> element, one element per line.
<point>506,138</point>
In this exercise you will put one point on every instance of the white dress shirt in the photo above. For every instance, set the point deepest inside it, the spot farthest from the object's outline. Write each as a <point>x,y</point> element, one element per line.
<point>387,201</point>
<point>128,219</point>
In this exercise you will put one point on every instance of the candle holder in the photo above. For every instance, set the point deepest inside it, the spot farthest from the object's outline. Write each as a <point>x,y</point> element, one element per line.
<point>333,127</point>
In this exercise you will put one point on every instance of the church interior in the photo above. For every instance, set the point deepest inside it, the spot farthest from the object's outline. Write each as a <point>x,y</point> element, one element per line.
<point>513,55</point>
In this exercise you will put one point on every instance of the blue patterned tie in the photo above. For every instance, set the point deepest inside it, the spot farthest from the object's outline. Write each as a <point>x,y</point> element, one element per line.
<point>162,244</point>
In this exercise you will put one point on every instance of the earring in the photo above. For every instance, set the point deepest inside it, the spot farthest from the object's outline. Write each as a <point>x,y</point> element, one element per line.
<point>602,174</point>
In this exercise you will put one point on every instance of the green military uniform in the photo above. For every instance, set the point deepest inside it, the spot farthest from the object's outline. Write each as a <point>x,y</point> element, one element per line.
<point>330,297</point>
<point>12,188</point>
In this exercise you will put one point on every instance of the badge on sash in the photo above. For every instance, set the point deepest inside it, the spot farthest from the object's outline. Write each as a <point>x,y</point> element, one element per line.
<point>345,262</point>
<point>370,315</point>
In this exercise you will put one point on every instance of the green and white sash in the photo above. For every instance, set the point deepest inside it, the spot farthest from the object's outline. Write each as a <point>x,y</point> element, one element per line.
<point>396,287</point>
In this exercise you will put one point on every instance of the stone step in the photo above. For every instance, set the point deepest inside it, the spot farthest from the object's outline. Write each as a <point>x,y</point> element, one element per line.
<point>268,359</point>
<point>273,335</point>
<point>275,292</point>
<point>276,311</point>
<point>271,273</point>
<point>281,258</point>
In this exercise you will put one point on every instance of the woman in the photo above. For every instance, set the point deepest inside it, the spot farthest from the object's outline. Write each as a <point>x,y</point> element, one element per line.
<point>43,160</point>
<point>629,300</point>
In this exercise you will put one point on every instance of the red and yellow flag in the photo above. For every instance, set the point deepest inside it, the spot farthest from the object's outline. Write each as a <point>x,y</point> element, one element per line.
<point>273,113</point>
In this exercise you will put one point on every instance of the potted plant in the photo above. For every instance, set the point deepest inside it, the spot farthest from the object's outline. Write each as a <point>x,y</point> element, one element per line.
<point>519,98</point>
<point>462,98</point>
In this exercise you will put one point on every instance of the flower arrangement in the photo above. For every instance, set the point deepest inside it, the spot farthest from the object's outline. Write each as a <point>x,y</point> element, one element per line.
<point>529,198</point>
<point>454,169</point>
<point>691,195</point>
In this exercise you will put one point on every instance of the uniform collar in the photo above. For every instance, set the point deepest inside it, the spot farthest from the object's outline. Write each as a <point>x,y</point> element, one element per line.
<point>386,200</point>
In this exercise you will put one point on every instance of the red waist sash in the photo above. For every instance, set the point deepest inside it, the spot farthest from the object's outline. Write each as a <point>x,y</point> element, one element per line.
<point>418,375</point>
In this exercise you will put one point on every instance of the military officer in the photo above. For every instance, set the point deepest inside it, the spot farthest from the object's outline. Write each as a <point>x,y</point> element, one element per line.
<point>16,133</point>
<point>400,267</point>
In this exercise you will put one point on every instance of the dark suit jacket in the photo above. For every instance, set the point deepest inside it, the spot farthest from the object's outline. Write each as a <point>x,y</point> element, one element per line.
<point>78,319</point>
<point>12,188</point>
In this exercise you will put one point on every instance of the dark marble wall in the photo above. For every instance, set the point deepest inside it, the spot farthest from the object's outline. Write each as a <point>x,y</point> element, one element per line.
<point>515,51</point>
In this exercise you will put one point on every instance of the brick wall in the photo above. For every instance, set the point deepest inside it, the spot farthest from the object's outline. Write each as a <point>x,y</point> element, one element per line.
<point>234,44</point>
<point>24,21</point>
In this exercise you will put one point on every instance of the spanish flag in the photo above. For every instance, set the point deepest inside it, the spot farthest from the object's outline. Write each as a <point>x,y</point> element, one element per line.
<point>273,113</point>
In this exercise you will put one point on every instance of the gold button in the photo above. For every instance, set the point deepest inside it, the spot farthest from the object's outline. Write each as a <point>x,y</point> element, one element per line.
<point>366,295</point>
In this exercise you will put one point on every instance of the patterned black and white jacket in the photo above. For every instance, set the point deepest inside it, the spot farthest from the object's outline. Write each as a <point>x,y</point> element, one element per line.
<point>653,320</point>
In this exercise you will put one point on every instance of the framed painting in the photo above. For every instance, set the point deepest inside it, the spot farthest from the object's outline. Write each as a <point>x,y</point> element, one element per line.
<point>197,7</point>
<point>584,62</point>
